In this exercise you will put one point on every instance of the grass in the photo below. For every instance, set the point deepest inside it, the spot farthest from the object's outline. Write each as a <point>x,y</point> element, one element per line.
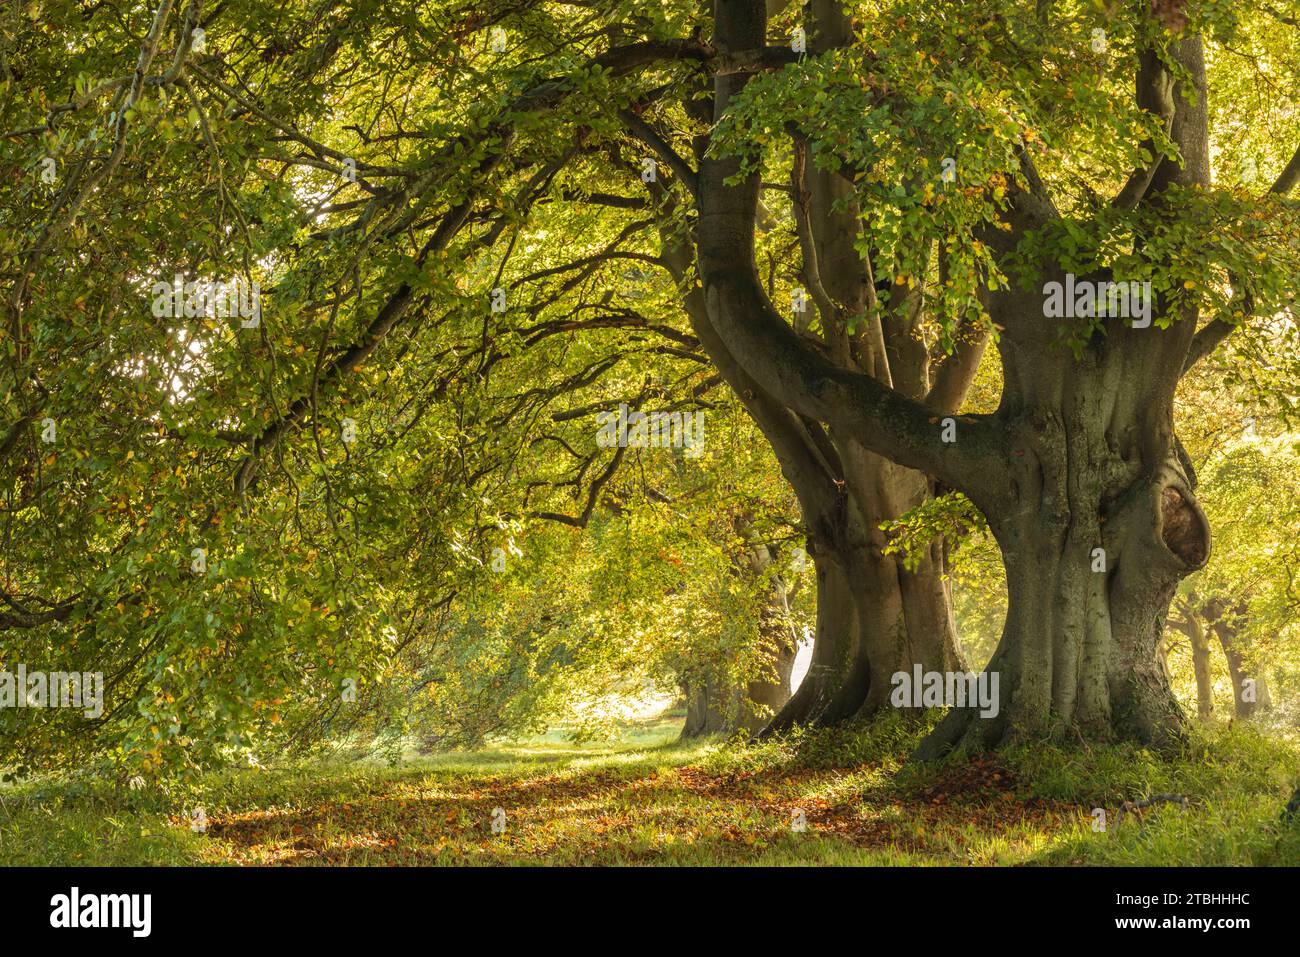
<point>653,800</point>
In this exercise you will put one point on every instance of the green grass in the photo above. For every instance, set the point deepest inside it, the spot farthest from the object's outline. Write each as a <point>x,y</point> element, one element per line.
<point>652,800</point>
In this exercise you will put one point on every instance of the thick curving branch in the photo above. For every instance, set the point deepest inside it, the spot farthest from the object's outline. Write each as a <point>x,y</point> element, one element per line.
<point>789,369</point>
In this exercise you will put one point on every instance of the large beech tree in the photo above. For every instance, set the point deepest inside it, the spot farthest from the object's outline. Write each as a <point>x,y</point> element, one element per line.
<point>1082,453</point>
<point>876,613</point>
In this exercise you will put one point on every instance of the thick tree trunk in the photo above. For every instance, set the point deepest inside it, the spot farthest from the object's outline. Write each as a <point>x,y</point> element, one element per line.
<point>835,673</point>
<point>899,618</point>
<point>874,617</point>
<point>879,618</point>
<point>1099,522</point>
<point>1098,529</point>
<point>1201,666</point>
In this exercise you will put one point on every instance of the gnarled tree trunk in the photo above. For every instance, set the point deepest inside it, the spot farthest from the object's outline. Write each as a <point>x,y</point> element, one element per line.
<point>874,616</point>
<point>1094,545</point>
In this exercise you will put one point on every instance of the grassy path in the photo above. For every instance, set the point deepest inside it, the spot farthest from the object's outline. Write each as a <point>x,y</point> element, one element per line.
<point>827,799</point>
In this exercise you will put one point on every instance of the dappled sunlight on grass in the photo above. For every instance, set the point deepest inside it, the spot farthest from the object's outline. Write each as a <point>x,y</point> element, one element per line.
<point>843,798</point>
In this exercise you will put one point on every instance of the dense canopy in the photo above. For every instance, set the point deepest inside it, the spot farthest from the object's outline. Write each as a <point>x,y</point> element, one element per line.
<point>442,370</point>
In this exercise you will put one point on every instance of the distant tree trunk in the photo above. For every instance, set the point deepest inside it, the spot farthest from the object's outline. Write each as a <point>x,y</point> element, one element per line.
<point>708,708</point>
<point>1162,653</point>
<point>1249,694</point>
<point>766,694</point>
<point>1191,625</point>
<point>1201,665</point>
<point>715,706</point>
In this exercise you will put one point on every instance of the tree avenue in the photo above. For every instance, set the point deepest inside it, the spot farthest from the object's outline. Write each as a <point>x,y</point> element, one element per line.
<point>474,359</point>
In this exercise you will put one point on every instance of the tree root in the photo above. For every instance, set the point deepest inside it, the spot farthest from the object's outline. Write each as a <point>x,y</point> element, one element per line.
<point>1138,808</point>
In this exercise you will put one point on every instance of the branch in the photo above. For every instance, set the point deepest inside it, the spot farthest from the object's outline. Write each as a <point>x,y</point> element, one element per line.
<point>747,61</point>
<point>14,433</point>
<point>540,98</point>
<point>593,493</point>
<point>1155,95</point>
<point>651,138</point>
<point>63,217</point>
<point>788,368</point>
<point>22,617</point>
<point>1213,333</point>
<point>1289,176</point>
<point>380,326</point>
<point>953,378</point>
<point>830,312</point>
